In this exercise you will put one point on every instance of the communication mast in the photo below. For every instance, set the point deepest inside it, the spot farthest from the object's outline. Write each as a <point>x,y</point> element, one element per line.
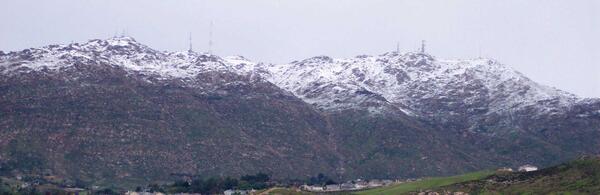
<point>190,40</point>
<point>397,47</point>
<point>422,46</point>
<point>210,41</point>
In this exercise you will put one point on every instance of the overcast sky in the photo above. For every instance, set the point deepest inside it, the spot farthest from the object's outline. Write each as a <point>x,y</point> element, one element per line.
<point>556,43</point>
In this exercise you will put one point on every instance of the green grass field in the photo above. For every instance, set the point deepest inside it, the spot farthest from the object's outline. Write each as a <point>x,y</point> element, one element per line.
<point>581,176</point>
<point>426,183</point>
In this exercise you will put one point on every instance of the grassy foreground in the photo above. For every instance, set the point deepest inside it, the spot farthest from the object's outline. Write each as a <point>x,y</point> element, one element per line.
<point>427,183</point>
<point>581,176</point>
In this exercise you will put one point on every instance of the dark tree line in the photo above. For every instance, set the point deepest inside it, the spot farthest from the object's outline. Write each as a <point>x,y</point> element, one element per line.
<point>212,185</point>
<point>320,179</point>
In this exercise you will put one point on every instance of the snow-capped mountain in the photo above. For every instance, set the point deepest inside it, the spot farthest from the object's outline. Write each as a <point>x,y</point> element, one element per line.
<point>405,80</point>
<point>416,84</point>
<point>103,105</point>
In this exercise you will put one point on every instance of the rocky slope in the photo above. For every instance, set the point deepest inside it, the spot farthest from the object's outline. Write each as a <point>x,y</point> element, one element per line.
<point>117,110</point>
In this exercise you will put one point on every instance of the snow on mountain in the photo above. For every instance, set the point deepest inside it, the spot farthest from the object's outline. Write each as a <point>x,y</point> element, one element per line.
<point>124,52</point>
<point>415,83</point>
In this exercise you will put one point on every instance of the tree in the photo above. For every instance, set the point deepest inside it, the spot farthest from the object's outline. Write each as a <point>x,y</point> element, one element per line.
<point>107,191</point>
<point>320,179</point>
<point>258,181</point>
<point>212,186</point>
<point>155,188</point>
<point>181,183</point>
<point>197,186</point>
<point>230,183</point>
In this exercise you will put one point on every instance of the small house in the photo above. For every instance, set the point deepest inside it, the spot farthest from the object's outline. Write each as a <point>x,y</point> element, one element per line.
<point>375,183</point>
<point>235,192</point>
<point>347,186</point>
<point>527,168</point>
<point>332,187</point>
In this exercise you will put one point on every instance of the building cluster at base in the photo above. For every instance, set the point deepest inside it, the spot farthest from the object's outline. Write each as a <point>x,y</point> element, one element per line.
<point>351,185</point>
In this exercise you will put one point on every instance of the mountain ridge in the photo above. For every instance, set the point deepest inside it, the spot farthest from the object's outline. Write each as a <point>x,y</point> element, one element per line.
<point>138,110</point>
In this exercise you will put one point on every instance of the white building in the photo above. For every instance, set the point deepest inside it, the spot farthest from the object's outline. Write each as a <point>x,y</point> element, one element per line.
<point>332,187</point>
<point>312,188</point>
<point>235,192</point>
<point>375,183</point>
<point>143,193</point>
<point>527,168</point>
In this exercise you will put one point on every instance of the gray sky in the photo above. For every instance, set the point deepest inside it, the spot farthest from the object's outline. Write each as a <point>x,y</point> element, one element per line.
<point>556,43</point>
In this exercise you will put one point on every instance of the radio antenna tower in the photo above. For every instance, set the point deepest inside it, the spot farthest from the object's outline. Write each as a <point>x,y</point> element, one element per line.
<point>422,46</point>
<point>210,36</point>
<point>190,40</point>
<point>397,47</point>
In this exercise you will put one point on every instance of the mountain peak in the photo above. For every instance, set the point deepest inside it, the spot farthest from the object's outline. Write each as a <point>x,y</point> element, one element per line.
<point>418,83</point>
<point>121,41</point>
<point>317,60</point>
<point>122,38</point>
<point>114,43</point>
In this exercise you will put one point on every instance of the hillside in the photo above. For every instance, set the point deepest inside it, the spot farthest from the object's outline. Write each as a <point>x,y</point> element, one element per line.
<point>100,112</point>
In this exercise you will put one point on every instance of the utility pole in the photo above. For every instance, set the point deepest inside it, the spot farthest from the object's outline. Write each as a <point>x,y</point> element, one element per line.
<point>422,46</point>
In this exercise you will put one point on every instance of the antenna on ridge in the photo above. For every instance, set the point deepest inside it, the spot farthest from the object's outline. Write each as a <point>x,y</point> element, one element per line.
<point>210,41</point>
<point>422,46</point>
<point>190,40</point>
<point>397,47</point>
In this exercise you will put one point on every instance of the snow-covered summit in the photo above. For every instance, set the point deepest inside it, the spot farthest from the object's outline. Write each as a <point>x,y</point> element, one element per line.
<point>124,52</point>
<point>416,83</point>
